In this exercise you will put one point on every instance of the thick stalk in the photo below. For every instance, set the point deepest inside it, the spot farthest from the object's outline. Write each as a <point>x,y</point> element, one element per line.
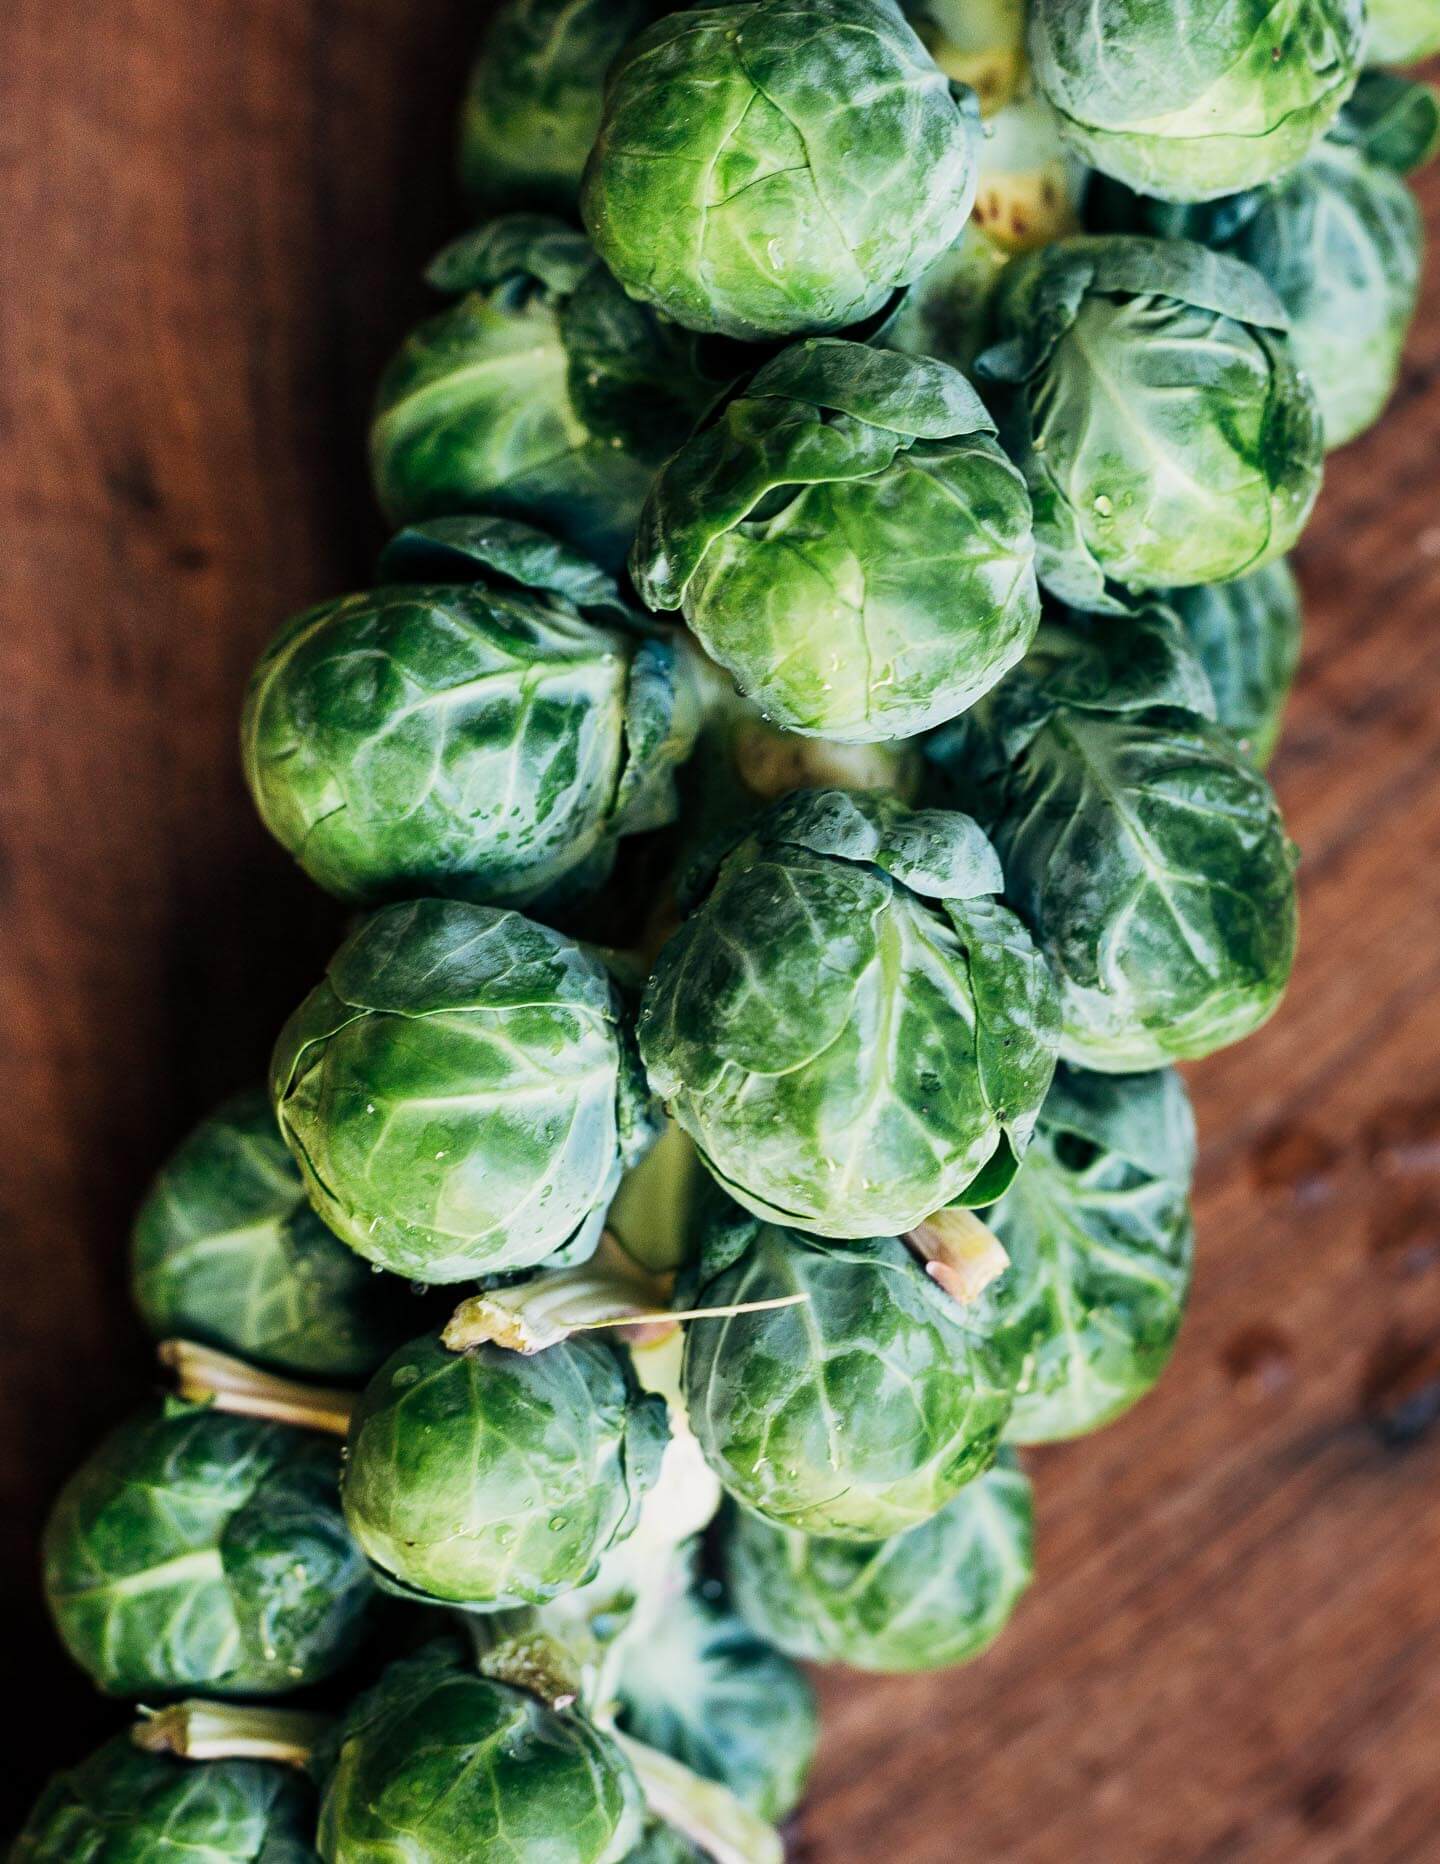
<point>204,1376</point>
<point>651,1217</point>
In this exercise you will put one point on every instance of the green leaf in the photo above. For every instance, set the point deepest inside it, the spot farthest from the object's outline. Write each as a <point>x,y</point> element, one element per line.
<point>1392,121</point>
<point>1097,1226</point>
<point>533,103</point>
<point>539,395</point>
<point>468,738</point>
<point>936,1596</point>
<point>1247,636</point>
<point>849,542</point>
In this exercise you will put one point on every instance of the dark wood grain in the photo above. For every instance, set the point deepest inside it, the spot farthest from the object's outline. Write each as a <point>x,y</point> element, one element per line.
<point>210,220</point>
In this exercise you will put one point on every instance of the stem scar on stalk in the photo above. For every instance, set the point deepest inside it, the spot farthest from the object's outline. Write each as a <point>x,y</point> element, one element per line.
<point>198,1730</point>
<point>959,1252</point>
<point>203,1376</point>
<point>610,1290</point>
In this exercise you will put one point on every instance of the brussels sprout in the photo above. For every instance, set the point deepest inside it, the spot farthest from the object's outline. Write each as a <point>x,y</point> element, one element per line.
<point>980,43</point>
<point>1340,242</point>
<point>124,1807</point>
<point>860,1411</point>
<point>489,740</point>
<point>1247,637</point>
<point>488,1478</point>
<point>704,1688</point>
<point>533,103</point>
<point>543,393</point>
<point>777,168</point>
<point>460,1092</point>
<point>197,1550</point>
<point>1148,392</point>
<point>849,542</point>
<point>1392,121</point>
<point>441,1764</point>
<point>227,1250</point>
<point>1195,101</point>
<point>1098,1230</point>
<point>851,1027</point>
<point>1401,32</point>
<point>1146,856</point>
<point>936,1596</point>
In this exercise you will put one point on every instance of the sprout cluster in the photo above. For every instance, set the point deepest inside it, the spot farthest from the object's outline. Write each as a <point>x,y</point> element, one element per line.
<point>797,775</point>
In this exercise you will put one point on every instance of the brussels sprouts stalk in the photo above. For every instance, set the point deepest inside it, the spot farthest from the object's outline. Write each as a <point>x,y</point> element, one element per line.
<point>709,1815</point>
<point>510,1647</point>
<point>651,1217</point>
<point>739,750</point>
<point>198,1730</point>
<point>610,1290</point>
<point>959,1253</point>
<point>203,1376</point>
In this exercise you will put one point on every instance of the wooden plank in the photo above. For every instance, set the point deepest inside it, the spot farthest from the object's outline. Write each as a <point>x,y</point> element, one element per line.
<point>213,217</point>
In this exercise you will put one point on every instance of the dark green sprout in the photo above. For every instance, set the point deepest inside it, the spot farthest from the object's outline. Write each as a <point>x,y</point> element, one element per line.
<point>1339,240</point>
<point>439,1763</point>
<point>936,1596</point>
<point>1247,637</point>
<point>1147,857</point>
<point>848,540</point>
<point>851,1027</point>
<point>1099,1234</point>
<point>542,393</point>
<point>778,168</point>
<point>1148,391</point>
<point>490,1479</point>
<point>227,1251</point>
<point>1190,102</point>
<point>460,1092</point>
<point>485,725</point>
<point>861,1410</point>
<point>122,1806</point>
<point>1392,121</point>
<point>533,104</point>
<point>201,1551</point>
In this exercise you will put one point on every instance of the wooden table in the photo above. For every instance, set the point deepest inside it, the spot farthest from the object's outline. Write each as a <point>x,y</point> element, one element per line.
<point>211,217</point>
